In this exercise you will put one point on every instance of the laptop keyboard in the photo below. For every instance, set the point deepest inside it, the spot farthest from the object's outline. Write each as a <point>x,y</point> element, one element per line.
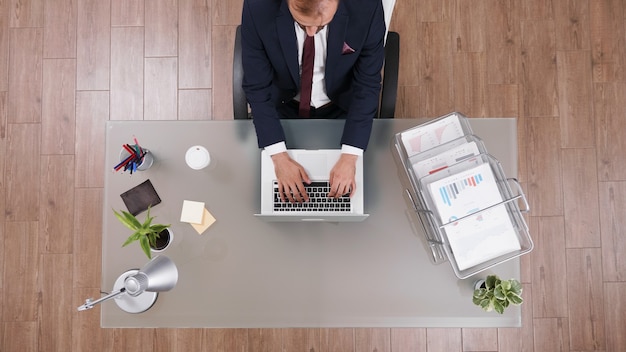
<point>318,200</point>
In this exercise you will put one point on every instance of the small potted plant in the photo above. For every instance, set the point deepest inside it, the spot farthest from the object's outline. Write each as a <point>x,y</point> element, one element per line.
<point>496,294</point>
<point>150,236</point>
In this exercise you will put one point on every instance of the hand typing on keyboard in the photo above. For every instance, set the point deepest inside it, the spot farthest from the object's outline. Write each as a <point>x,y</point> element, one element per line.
<point>291,177</point>
<point>342,176</point>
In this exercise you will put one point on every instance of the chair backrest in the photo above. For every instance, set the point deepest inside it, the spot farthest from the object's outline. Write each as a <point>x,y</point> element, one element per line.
<point>240,104</point>
<point>389,90</point>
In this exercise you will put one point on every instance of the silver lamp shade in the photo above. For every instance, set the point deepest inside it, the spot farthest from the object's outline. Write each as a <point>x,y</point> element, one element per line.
<point>158,275</point>
<point>135,291</point>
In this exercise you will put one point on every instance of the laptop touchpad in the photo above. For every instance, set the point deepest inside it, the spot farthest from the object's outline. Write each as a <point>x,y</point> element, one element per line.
<point>314,164</point>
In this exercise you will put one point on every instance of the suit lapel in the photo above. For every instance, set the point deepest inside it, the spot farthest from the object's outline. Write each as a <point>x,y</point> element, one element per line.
<point>336,37</point>
<point>288,41</point>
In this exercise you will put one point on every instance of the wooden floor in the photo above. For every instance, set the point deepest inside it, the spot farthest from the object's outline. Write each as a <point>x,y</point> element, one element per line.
<point>66,66</point>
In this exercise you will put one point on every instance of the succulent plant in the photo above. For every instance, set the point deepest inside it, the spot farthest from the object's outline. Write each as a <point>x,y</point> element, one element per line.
<point>498,294</point>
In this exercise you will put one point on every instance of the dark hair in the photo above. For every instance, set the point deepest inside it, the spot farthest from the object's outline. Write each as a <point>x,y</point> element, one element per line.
<point>309,7</point>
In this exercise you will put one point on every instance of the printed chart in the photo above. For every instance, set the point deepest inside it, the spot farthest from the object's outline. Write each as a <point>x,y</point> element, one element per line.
<point>477,238</point>
<point>417,140</point>
<point>445,159</point>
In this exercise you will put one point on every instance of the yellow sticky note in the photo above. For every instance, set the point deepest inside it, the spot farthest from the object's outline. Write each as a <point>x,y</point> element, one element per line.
<point>192,212</point>
<point>207,220</point>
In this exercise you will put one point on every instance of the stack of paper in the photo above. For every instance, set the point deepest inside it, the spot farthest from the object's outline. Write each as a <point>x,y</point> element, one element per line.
<point>197,215</point>
<point>483,233</point>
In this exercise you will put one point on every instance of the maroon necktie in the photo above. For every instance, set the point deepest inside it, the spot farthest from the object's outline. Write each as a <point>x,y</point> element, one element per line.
<point>306,78</point>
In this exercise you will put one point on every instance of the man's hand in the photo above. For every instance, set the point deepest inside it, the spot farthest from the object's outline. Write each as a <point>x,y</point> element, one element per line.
<point>290,176</point>
<point>342,176</point>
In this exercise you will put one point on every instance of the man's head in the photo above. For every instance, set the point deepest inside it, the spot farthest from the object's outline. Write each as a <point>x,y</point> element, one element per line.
<point>312,15</point>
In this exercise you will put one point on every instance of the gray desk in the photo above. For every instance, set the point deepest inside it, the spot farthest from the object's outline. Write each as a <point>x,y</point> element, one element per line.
<point>243,272</point>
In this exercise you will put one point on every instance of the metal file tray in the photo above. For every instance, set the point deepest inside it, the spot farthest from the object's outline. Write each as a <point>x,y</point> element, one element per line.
<point>442,233</point>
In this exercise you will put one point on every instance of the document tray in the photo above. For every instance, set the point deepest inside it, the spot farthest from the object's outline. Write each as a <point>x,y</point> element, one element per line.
<point>469,211</point>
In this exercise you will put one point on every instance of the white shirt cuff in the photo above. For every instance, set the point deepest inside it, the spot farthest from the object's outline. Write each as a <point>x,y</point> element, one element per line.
<point>348,149</point>
<point>282,147</point>
<point>276,148</point>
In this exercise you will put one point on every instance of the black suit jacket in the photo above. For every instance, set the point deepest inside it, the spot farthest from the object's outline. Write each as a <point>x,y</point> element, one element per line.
<point>353,63</point>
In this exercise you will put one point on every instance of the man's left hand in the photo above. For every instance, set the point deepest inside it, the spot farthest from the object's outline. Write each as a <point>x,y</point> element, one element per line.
<point>342,176</point>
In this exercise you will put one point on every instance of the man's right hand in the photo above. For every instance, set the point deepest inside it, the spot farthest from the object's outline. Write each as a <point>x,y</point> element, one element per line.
<point>290,176</point>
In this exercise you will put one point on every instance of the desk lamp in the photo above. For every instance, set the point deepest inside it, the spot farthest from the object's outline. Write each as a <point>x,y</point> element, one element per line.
<point>135,291</point>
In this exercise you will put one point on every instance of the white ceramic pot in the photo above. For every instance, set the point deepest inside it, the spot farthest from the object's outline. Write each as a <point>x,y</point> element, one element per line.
<point>167,233</point>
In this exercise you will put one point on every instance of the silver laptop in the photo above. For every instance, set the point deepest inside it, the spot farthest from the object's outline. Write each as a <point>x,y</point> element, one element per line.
<point>317,164</point>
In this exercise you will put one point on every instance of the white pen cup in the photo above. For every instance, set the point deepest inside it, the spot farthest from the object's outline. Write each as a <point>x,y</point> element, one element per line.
<point>146,160</point>
<point>198,157</point>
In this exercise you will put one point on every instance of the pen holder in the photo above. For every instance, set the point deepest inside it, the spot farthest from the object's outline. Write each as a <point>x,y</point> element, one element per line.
<point>144,162</point>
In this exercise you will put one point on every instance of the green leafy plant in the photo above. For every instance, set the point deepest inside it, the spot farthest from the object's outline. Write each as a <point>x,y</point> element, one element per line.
<point>498,294</point>
<point>146,233</point>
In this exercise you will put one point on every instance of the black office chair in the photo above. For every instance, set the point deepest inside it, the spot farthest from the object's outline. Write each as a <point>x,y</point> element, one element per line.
<point>388,94</point>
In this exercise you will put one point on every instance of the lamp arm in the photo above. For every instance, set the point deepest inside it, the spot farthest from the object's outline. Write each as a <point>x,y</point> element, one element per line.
<point>89,303</point>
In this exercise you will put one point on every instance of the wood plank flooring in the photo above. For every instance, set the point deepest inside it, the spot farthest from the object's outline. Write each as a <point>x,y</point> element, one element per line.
<point>66,66</point>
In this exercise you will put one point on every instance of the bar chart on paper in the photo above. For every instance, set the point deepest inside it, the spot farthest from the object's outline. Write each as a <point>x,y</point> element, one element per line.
<point>465,192</point>
<point>482,231</point>
<point>451,191</point>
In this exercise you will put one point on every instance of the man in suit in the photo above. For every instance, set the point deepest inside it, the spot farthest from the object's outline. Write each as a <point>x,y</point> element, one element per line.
<point>348,56</point>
